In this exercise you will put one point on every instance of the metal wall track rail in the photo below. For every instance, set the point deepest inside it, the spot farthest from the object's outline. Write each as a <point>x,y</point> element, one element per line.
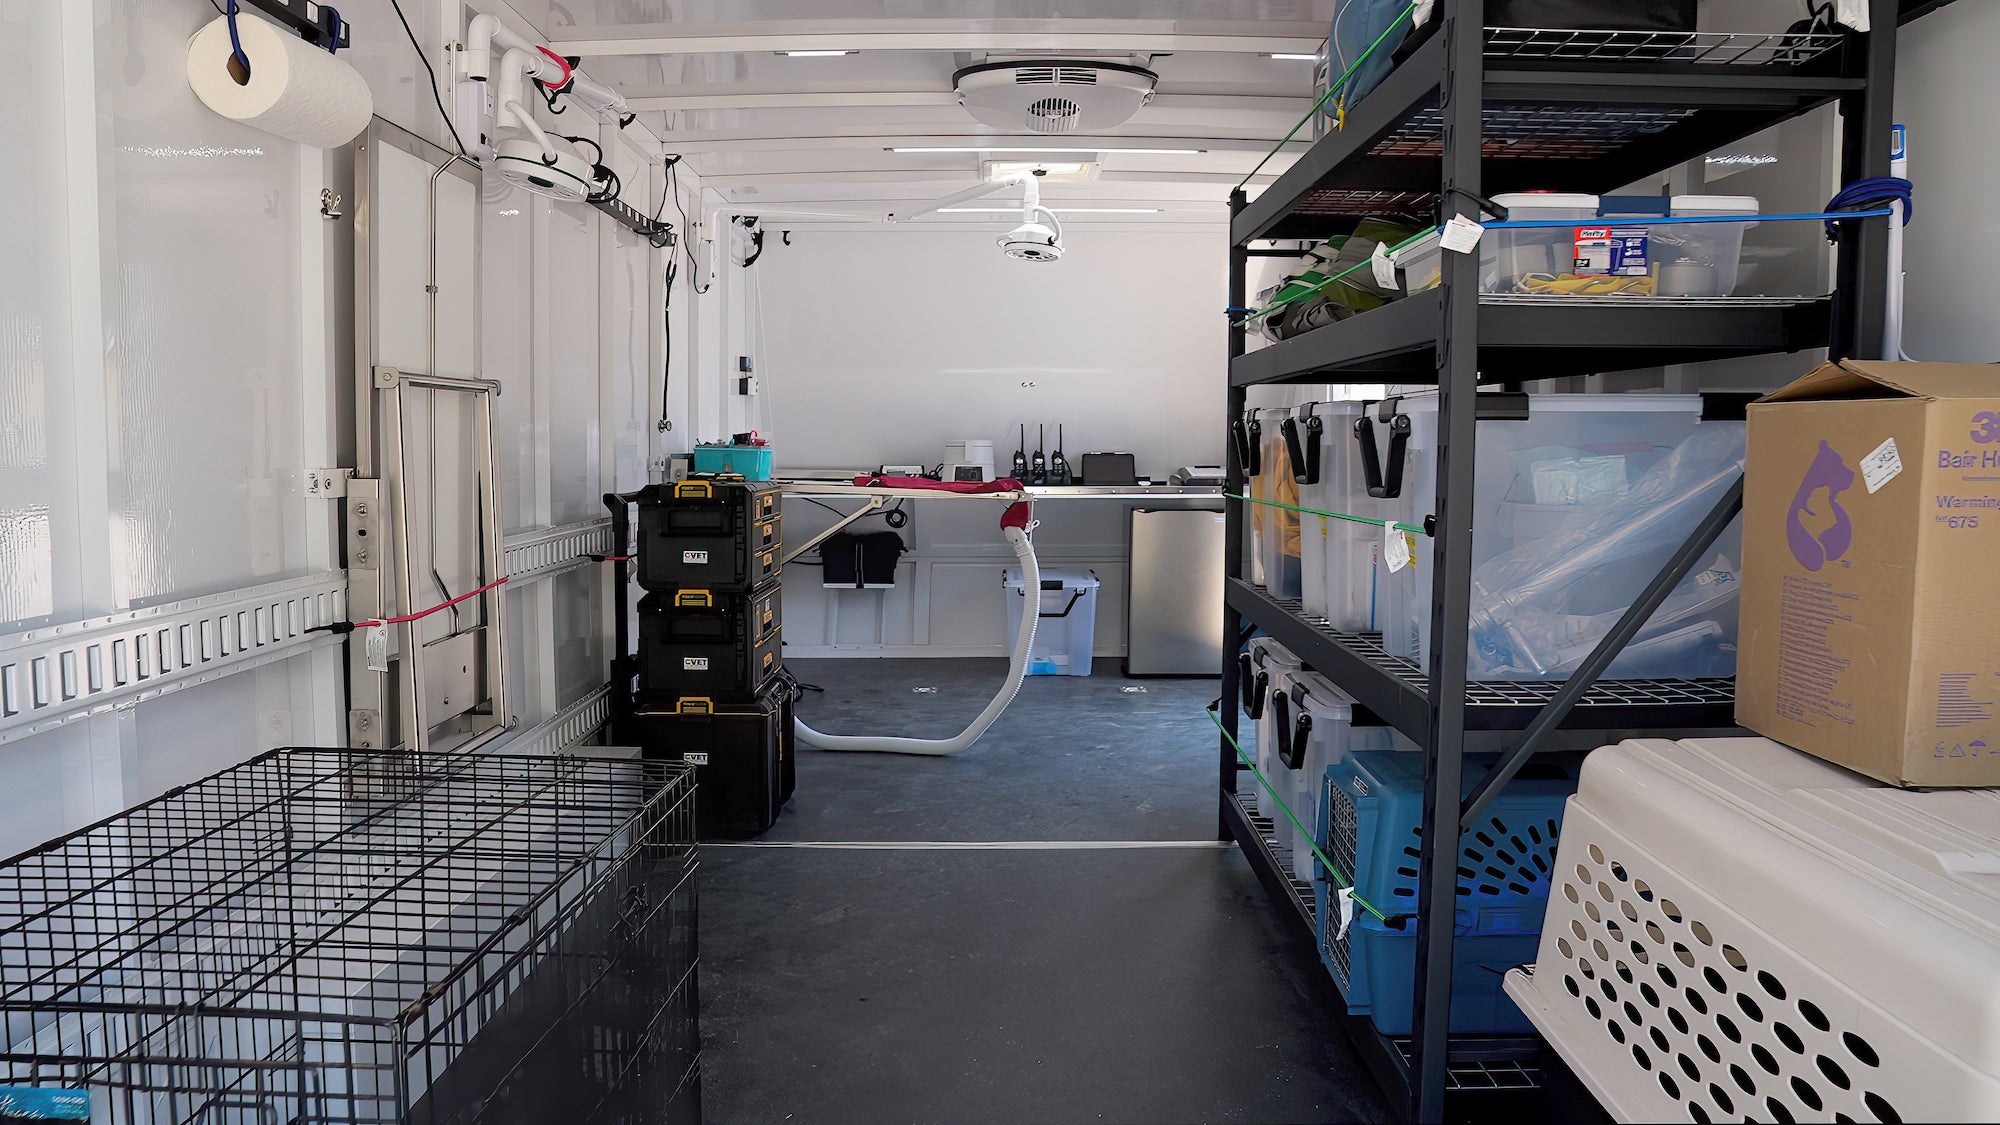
<point>536,554</point>
<point>59,673</point>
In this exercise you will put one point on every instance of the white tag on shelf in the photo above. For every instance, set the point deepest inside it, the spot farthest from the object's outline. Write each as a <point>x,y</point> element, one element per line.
<point>1461,235</point>
<point>1853,13</point>
<point>375,642</point>
<point>1346,912</point>
<point>1385,270</point>
<point>1423,13</point>
<point>1395,548</point>
<point>1881,466</point>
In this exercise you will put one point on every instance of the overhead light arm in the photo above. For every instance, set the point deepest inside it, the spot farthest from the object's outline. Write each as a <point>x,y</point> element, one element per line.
<point>977,191</point>
<point>487,32</point>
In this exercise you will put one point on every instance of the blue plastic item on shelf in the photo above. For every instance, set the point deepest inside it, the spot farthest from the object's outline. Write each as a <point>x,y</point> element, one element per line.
<point>751,462</point>
<point>1370,825</point>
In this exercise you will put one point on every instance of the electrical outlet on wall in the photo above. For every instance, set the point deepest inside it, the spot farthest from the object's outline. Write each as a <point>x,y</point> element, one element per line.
<point>747,386</point>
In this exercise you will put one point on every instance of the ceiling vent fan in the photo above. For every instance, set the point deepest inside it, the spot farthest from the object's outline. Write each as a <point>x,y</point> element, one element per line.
<point>1054,97</point>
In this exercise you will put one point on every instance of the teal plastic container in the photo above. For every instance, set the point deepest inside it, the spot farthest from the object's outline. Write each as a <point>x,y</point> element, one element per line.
<point>1370,822</point>
<point>751,462</point>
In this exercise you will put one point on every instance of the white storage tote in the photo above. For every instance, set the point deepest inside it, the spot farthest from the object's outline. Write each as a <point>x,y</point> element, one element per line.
<point>1318,428</point>
<point>1538,457</point>
<point>1315,722</point>
<point>1742,932</point>
<point>1274,532</point>
<point>1264,667</point>
<point>1067,624</point>
<point>1508,255</point>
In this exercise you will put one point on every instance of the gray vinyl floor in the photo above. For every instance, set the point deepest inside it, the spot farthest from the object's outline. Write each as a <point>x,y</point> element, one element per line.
<point>1145,984</point>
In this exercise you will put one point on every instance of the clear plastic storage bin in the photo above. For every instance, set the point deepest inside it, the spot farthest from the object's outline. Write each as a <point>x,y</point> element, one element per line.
<point>1340,560</point>
<point>1508,255</point>
<point>1067,624</point>
<point>1681,260</point>
<point>1534,468</point>
<point>1274,532</point>
<point>1315,722</point>
<point>1265,667</point>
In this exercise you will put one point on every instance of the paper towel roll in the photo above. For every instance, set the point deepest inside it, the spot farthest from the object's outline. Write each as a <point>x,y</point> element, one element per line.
<point>296,90</point>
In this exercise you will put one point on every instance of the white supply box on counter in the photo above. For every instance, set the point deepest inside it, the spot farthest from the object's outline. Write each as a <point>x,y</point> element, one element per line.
<point>1740,931</point>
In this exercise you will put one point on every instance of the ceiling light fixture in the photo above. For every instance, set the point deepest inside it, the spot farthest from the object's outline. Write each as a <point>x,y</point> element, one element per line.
<point>1293,58</point>
<point>815,54</point>
<point>1000,148</point>
<point>1057,210</point>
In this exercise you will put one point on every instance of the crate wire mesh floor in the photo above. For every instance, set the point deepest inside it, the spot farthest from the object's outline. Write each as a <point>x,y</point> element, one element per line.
<point>355,936</point>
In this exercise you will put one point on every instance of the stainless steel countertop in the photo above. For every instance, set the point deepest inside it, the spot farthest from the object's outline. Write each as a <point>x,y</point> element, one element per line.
<point>820,481</point>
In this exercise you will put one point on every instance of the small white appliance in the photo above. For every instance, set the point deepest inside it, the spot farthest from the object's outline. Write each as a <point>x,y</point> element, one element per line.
<point>968,459</point>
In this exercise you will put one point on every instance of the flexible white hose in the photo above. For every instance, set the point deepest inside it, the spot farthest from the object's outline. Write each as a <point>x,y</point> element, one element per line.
<point>1017,671</point>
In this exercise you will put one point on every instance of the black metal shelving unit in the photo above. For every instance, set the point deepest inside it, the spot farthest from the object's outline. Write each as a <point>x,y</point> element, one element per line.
<point>1477,111</point>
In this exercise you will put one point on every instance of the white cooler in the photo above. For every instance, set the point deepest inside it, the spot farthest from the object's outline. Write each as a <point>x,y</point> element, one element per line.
<point>1067,625</point>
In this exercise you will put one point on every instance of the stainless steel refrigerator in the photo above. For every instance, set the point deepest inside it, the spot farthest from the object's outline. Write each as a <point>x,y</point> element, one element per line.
<point>1174,608</point>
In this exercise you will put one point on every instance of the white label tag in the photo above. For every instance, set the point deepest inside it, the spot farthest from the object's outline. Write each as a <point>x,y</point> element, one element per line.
<point>694,759</point>
<point>1385,270</point>
<point>694,663</point>
<point>1423,13</point>
<point>375,642</point>
<point>1461,235</point>
<point>1853,13</point>
<point>1881,466</point>
<point>694,558</point>
<point>1396,548</point>
<point>1346,912</point>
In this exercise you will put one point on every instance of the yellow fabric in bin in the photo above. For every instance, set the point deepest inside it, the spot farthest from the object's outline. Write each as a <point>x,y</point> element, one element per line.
<point>1276,483</point>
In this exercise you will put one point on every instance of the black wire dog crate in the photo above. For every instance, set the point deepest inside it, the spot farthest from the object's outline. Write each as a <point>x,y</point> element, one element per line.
<point>320,936</point>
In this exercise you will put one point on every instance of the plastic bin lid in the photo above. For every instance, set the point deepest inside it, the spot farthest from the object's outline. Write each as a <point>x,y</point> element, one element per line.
<point>1322,699</point>
<point>1725,204</point>
<point>1548,200</point>
<point>1426,403</point>
<point>1266,652</point>
<point>1070,579</point>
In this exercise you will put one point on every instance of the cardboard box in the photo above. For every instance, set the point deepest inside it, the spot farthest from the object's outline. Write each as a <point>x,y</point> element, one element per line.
<point>1871,570</point>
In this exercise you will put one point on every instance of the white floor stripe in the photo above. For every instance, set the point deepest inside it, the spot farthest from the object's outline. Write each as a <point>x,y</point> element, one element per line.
<point>972,845</point>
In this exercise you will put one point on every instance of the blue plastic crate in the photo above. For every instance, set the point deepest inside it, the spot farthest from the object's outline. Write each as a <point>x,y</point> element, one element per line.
<point>1370,825</point>
<point>751,462</point>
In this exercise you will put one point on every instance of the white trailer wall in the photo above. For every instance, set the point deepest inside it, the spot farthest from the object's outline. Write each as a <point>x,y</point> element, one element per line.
<point>176,350</point>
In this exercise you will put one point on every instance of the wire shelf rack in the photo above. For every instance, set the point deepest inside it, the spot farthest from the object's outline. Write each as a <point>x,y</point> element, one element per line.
<point>1524,131</point>
<point>1699,48</point>
<point>1515,693</point>
<point>321,936</point>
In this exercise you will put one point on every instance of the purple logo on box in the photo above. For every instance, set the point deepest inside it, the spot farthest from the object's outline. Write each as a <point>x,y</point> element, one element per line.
<point>1828,472</point>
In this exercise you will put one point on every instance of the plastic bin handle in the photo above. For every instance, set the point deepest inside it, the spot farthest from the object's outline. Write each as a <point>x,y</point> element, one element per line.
<point>1302,730</point>
<point>1288,753</point>
<point>1248,434</point>
<point>1384,482</point>
<point>1304,452</point>
<point>1075,596</point>
<point>1253,687</point>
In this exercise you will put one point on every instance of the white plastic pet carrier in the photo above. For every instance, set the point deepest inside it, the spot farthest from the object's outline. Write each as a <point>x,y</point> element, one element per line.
<point>1763,936</point>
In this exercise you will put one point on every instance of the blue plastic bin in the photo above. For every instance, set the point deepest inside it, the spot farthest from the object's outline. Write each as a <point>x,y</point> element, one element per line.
<point>1370,824</point>
<point>751,462</point>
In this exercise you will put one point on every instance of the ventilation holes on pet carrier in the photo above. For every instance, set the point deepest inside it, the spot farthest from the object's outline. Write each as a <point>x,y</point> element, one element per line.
<point>1770,984</point>
<point>1814,1016</point>
<point>1860,1049</point>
